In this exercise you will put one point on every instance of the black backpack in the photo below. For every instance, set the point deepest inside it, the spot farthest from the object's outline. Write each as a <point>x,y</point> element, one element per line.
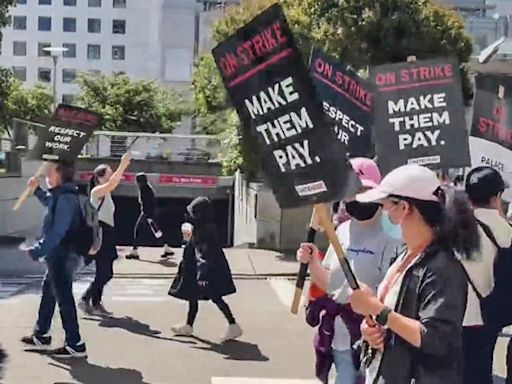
<point>86,237</point>
<point>497,306</point>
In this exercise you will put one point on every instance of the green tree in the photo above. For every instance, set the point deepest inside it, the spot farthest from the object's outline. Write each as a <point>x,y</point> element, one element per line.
<point>362,33</point>
<point>131,105</point>
<point>4,14</point>
<point>20,102</point>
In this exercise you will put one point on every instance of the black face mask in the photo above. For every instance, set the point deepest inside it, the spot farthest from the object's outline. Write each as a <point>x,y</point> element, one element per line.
<point>361,211</point>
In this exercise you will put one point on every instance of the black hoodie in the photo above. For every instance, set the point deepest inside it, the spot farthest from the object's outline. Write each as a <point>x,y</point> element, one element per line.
<point>146,196</point>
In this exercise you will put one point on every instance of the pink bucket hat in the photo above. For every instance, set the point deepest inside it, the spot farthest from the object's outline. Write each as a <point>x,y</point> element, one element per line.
<point>367,171</point>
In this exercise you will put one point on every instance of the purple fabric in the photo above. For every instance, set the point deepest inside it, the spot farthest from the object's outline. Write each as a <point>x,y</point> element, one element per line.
<point>322,313</point>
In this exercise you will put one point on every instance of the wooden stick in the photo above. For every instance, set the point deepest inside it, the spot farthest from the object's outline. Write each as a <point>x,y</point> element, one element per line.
<point>29,190</point>
<point>326,223</point>
<point>303,270</point>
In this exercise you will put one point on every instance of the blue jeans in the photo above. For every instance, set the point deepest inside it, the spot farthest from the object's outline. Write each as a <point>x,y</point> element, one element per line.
<point>58,289</point>
<point>345,371</point>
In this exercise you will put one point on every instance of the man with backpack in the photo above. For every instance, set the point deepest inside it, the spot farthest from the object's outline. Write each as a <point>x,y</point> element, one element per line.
<point>57,247</point>
<point>489,271</point>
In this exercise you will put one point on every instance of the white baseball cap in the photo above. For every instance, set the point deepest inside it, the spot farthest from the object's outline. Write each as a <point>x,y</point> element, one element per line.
<point>412,181</point>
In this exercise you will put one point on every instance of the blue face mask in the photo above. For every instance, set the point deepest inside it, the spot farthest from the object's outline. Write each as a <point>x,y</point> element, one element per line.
<point>389,228</point>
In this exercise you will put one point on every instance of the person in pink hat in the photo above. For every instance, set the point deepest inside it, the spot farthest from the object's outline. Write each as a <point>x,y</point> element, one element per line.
<point>370,250</point>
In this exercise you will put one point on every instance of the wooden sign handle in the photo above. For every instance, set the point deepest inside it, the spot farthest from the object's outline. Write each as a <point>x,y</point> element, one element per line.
<point>303,270</point>
<point>29,190</point>
<point>327,225</point>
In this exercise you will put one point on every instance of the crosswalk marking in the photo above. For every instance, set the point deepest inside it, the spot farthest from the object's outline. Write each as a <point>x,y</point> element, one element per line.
<point>253,380</point>
<point>136,290</point>
<point>284,289</point>
<point>10,287</point>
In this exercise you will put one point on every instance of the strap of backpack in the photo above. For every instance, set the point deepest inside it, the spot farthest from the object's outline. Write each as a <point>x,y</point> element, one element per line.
<point>490,236</point>
<point>101,204</point>
<point>472,284</point>
<point>488,233</point>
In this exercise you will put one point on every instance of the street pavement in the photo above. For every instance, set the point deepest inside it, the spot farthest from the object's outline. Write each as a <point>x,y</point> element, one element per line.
<point>136,345</point>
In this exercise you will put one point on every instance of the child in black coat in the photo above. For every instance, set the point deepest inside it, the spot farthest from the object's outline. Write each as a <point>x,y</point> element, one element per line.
<point>204,272</point>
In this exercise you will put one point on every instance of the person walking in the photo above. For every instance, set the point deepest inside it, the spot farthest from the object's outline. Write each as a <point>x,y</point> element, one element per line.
<point>101,185</point>
<point>147,216</point>
<point>55,247</point>
<point>204,272</point>
<point>416,331</point>
<point>369,250</point>
<point>484,187</point>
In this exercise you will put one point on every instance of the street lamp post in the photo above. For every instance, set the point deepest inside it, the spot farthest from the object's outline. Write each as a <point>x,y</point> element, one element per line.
<point>54,52</point>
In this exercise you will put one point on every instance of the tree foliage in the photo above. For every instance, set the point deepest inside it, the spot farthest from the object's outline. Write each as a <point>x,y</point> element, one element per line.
<point>20,102</point>
<point>131,105</point>
<point>361,33</point>
<point>4,14</point>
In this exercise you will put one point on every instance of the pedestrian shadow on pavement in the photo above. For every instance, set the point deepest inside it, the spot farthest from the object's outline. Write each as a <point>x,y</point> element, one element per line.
<point>86,373</point>
<point>164,262</point>
<point>3,357</point>
<point>233,350</point>
<point>134,326</point>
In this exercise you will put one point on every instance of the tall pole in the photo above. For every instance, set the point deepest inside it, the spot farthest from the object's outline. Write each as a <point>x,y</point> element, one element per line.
<point>55,103</point>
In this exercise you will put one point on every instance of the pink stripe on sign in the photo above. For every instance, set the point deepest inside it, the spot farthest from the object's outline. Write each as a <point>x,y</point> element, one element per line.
<point>272,60</point>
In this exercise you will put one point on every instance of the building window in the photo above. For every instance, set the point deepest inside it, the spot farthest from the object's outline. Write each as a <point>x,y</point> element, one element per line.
<point>19,23</point>
<point>71,50</point>
<point>40,49</point>
<point>45,23</point>
<point>68,75</point>
<point>95,3</point>
<point>68,99</point>
<point>21,2</point>
<point>44,75</point>
<point>69,24</point>
<point>119,3</point>
<point>19,48</point>
<point>20,73</point>
<point>119,27</point>
<point>45,2</point>
<point>118,52</point>
<point>93,52</point>
<point>94,25</point>
<point>70,3</point>
<point>94,72</point>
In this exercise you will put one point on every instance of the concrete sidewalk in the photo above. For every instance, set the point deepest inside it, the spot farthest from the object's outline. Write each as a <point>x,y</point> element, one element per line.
<point>245,263</point>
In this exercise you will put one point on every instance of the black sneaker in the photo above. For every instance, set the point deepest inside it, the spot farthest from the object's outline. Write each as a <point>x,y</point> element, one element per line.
<point>100,310</point>
<point>133,255</point>
<point>37,342</point>
<point>167,255</point>
<point>67,352</point>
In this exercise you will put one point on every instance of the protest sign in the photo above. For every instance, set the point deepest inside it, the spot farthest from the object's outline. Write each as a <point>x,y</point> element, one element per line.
<point>419,115</point>
<point>491,132</point>
<point>76,115</point>
<point>65,135</point>
<point>269,85</point>
<point>347,102</point>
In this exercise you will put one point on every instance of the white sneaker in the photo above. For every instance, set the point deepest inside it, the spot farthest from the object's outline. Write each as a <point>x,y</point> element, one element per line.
<point>167,249</point>
<point>183,330</point>
<point>234,332</point>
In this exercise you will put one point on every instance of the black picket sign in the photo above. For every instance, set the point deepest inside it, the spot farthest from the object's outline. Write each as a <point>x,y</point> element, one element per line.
<point>65,134</point>
<point>491,132</point>
<point>347,102</point>
<point>269,85</point>
<point>419,115</point>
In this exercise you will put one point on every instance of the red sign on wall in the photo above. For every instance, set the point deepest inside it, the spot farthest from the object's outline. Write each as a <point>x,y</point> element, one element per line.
<point>164,179</point>
<point>203,181</point>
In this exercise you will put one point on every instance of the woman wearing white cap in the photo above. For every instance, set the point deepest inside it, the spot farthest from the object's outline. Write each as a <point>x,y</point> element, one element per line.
<point>420,304</point>
<point>370,250</point>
